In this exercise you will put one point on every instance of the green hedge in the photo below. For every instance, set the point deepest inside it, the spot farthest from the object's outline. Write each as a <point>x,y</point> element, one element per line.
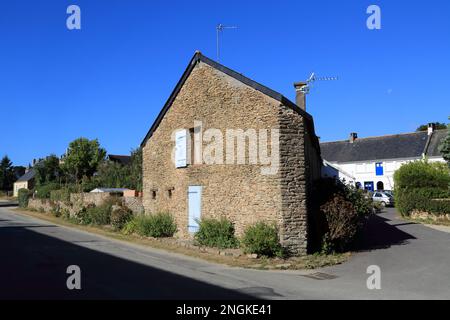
<point>216,233</point>
<point>418,183</point>
<point>158,225</point>
<point>23,196</point>
<point>262,239</point>
<point>43,191</point>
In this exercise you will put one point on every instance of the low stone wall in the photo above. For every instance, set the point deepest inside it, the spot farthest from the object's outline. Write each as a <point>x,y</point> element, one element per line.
<point>80,200</point>
<point>49,206</point>
<point>87,198</point>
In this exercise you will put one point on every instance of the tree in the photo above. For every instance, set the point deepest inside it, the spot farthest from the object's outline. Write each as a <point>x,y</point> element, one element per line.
<point>112,175</point>
<point>438,125</point>
<point>444,148</point>
<point>48,170</point>
<point>83,158</point>
<point>7,176</point>
<point>136,169</point>
<point>115,175</point>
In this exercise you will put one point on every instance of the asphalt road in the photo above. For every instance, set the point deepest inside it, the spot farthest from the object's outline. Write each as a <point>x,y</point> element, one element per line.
<point>34,255</point>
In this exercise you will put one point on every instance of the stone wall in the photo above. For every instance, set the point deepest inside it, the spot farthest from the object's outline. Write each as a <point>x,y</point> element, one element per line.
<point>80,200</point>
<point>239,192</point>
<point>49,206</point>
<point>294,226</point>
<point>86,198</point>
<point>134,204</point>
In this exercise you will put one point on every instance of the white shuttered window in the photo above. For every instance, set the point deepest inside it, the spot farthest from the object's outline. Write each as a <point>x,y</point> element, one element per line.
<point>181,148</point>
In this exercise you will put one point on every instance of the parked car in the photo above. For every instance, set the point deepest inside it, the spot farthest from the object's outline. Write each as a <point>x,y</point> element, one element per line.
<point>383,198</point>
<point>389,192</point>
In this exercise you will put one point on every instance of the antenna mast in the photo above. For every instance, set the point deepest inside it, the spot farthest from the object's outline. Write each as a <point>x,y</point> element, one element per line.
<point>219,29</point>
<point>312,78</point>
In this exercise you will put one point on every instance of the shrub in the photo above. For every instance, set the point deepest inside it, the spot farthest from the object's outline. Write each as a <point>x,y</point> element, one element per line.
<point>84,216</point>
<point>120,216</point>
<point>418,183</point>
<point>43,191</point>
<point>158,225</point>
<point>363,205</point>
<point>100,215</point>
<point>343,223</point>
<point>262,239</point>
<point>130,227</point>
<point>216,233</point>
<point>329,197</point>
<point>23,196</point>
<point>422,174</point>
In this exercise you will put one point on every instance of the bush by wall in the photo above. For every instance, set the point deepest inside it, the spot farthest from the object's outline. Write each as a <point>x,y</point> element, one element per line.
<point>158,225</point>
<point>130,227</point>
<point>330,228</point>
<point>100,215</point>
<point>343,223</point>
<point>262,239</point>
<point>216,233</point>
<point>120,216</point>
<point>43,191</point>
<point>418,183</point>
<point>23,196</point>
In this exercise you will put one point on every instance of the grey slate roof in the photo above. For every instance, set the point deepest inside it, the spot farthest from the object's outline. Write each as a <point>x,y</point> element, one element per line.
<point>27,176</point>
<point>199,57</point>
<point>408,145</point>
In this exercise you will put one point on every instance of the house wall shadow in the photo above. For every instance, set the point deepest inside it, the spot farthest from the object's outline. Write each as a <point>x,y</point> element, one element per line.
<point>8,204</point>
<point>33,266</point>
<point>379,234</point>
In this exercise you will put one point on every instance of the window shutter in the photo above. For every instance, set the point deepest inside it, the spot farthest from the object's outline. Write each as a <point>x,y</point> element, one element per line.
<point>181,148</point>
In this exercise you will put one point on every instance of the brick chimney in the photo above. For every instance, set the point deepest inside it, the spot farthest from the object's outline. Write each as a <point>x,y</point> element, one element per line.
<point>300,95</point>
<point>431,128</point>
<point>353,137</point>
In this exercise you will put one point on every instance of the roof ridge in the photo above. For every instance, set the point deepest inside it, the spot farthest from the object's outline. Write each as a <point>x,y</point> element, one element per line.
<point>382,136</point>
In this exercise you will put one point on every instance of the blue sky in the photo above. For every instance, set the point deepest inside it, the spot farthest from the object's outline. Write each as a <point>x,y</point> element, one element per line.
<point>110,79</point>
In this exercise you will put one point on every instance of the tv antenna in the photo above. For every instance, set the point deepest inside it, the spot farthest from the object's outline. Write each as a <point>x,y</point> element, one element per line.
<point>313,78</point>
<point>219,29</point>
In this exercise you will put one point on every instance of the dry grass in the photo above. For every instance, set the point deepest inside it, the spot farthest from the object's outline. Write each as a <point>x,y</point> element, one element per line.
<point>297,263</point>
<point>437,222</point>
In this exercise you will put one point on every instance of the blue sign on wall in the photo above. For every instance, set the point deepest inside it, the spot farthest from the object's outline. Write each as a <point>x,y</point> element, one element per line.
<point>379,168</point>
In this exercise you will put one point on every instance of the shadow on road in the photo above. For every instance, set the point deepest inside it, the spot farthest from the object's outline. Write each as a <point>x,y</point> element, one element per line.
<point>8,204</point>
<point>379,234</point>
<point>33,266</point>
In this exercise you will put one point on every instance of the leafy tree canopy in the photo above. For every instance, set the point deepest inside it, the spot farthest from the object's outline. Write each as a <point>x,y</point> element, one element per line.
<point>115,175</point>
<point>83,158</point>
<point>7,174</point>
<point>48,170</point>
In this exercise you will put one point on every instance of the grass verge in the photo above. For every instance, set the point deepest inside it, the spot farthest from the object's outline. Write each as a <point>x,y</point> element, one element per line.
<point>294,263</point>
<point>438,222</point>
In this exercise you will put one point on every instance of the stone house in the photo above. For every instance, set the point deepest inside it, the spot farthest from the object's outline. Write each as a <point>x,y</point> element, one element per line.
<point>226,146</point>
<point>26,181</point>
